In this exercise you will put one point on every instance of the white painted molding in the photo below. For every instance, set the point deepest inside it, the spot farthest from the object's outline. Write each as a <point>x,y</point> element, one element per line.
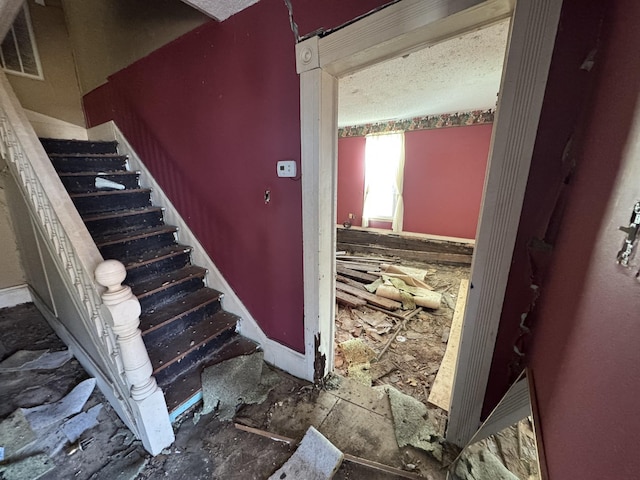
<point>319,124</point>
<point>533,32</point>
<point>514,406</point>
<point>274,353</point>
<point>12,296</point>
<point>50,127</point>
<point>402,28</point>
<point>390,32</point>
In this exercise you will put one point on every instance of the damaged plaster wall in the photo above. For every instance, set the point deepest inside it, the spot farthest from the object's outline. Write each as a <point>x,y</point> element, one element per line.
<point>57,94</point>
<point>108,35</point>
<point>11,270</point>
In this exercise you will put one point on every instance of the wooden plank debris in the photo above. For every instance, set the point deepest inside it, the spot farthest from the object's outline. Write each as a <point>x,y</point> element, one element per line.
<point>410,255</point>
<point>349,458</point>
<point>349,300</point>
<point>363,277</point>
<point>369,297</point>
<point>348,281</point>
<point>440,395</point>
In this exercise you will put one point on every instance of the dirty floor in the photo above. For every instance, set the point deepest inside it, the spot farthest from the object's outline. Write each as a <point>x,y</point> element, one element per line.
<point>356,419</point>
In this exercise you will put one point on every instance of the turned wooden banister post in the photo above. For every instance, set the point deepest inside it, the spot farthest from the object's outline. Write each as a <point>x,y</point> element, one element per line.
<point>123,308</point>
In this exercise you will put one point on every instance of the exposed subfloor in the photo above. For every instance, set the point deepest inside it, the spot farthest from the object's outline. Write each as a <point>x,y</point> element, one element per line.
<point>356,419</point>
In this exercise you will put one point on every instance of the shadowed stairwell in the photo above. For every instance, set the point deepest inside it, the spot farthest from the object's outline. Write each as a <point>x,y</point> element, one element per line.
<point>183,324</point>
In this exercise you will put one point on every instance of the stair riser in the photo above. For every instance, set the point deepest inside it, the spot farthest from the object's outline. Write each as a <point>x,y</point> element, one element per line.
<point>166,265</point>
<point>170,294</point>
<point>127,223</point>
<point>89,164</point>
<point>101,203</point>
<point>181,324</point>
<point>131,248</point>
<point>73,146</point>
<point>87,183</point>
<point>164,376</point>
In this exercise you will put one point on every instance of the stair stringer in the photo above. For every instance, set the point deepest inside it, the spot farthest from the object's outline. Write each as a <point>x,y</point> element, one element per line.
<point>275,353</point>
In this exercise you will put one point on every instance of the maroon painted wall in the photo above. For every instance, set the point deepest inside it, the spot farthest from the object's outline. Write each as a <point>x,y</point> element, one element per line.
<point>553,165</point>
<point>350,179</point>
<point>443,179</point>
<point>210,114</point>
<point>586,351</point>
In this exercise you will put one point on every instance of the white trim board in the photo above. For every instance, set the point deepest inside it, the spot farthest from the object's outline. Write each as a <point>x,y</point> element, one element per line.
<point>46,126</point>
<point>12,296</point>
<point>396,30</point>
<point>274,353</point>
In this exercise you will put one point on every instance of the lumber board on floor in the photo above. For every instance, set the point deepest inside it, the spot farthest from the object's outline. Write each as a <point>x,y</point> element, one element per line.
<point>348,281</point>
<point>361,267</point>
<point>349,300</point>
<point>410,255</point>
<point>440,395</point>
<point>369,297</point>
<point>404,241</point>
<point>347,272</point>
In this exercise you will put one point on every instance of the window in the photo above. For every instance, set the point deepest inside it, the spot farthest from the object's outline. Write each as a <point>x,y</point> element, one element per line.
<point>18,52</point>
<point>384,171</point>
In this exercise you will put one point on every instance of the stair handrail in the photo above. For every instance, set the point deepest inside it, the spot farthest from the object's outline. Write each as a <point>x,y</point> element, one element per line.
<point>61,226</point>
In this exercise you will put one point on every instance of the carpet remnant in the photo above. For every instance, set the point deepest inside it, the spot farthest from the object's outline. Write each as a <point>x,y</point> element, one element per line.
<point>238,381</point>
<point>477,463</point>
<point>410,419</point>
<point>315,459</point>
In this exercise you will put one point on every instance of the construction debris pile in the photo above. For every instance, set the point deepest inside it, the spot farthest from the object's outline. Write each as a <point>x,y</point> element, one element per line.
<point>393,321</point>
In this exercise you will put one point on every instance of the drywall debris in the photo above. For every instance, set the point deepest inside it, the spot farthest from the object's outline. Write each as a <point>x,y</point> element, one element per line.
<point>240,380</point>
<point>42,416</point>
<point>410,419</point>
<point>477,463</point>
<point>315,459</point>
<point>35,360</point>
<point>106,183</point>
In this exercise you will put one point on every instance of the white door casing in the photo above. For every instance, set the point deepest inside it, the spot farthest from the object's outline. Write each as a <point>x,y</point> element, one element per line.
<point>401,28</point>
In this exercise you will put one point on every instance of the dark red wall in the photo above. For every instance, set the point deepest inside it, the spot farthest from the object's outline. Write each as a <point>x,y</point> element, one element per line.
<point>587,333</point>
<point>350,179</point>
<point>553,165</point>
<point>210,114</point>
<point>443,179</point>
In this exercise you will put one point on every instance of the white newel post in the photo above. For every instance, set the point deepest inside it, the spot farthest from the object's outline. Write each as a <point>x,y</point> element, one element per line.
<point>150,408</point>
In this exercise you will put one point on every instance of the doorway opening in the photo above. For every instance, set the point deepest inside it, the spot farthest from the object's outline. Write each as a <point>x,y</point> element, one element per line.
<point>386,34</point>
<point>413,140</point>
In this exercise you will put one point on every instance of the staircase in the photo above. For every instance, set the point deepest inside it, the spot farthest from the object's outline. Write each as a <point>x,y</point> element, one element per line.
<point>183,324</point>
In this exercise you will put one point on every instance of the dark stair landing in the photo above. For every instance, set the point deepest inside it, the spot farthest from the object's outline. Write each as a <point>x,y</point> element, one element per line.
<point>183,324</point>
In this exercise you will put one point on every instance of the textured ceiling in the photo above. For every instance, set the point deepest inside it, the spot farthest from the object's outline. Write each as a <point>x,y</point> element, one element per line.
<point>457,75</point>
<point>220,9</point>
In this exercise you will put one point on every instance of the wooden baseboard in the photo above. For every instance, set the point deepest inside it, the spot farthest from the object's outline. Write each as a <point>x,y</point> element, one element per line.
<point>12,296</point>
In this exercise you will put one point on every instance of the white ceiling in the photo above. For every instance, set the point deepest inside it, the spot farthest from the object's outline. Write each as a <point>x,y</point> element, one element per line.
<point>457,75</point>
<point>220,9</point>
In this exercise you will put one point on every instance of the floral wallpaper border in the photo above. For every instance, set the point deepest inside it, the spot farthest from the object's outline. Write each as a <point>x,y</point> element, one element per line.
<point>476,117</point>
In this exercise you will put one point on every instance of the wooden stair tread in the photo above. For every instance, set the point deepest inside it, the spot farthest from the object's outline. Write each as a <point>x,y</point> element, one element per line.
<point>180,390</point>
<point>87,155</point>
<point>134,235</point>
<point>154,256</point>
<point>96,217</point>
<point>98,173</point>
<point>174,348</point>
<point>98,193</point>
<point>161,282</point>
<point>190,303</point>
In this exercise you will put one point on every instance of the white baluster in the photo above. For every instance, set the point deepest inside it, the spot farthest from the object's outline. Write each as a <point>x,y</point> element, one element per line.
<point>123,315</point>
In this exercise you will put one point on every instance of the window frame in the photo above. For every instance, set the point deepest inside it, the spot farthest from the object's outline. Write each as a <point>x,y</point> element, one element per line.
<point>34,46</point>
